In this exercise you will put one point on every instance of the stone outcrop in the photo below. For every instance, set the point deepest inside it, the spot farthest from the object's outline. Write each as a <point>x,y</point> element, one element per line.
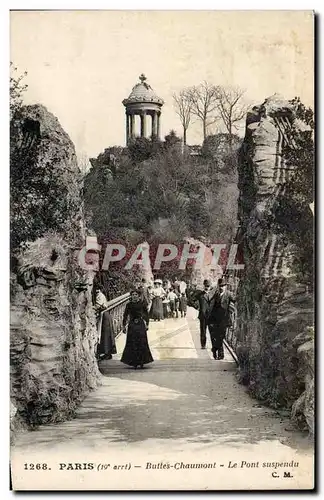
<point>53,327</point>
<point>303,408</point>
<point>206,269</point>
<point>275,307</point>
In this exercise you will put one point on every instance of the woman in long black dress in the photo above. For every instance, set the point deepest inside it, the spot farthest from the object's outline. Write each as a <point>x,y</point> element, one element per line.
<point>137,351</point>
<point>106,345</point>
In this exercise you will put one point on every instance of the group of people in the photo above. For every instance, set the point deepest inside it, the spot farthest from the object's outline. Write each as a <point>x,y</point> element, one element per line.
<point>164,300</point>
<point>216,313</point>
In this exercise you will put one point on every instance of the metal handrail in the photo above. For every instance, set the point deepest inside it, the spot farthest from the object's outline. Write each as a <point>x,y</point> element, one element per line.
<point>123,299</point>
<point>112,306</point>
<point>117,301</point>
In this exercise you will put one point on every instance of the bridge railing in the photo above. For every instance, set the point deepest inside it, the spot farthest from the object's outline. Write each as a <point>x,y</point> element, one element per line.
<point>233,280</point>
<point>230,338</point>
<point>116,308</point>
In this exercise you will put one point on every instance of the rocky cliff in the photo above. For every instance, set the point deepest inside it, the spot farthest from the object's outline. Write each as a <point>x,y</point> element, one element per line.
<point>53,330</point>
<point>274,341</point>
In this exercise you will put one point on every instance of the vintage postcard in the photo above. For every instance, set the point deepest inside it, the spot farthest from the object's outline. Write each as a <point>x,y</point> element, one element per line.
<point>162,237</point>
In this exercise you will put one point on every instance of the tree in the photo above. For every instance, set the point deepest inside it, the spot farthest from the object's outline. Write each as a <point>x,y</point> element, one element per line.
<point>219,145</point>
<point>142,148</point>
<point>171,140</point>
<point>292,211</point>
<point>183,104</point>
<point>42,198</point>
<point>301,154</point>
<point>203,104</point>
<point>83,164</point>
<point>16,90</point>
<point>231,108</point>
<point>164,197</point>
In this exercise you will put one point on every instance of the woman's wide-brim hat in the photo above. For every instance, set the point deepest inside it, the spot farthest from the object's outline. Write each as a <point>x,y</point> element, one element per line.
<point>158,281</point>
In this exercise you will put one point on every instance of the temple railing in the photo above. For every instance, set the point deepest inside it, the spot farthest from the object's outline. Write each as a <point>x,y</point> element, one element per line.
<point>116,308</point>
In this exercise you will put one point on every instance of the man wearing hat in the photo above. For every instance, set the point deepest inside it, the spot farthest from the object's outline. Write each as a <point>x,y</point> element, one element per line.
<point>204,298</point>
<point>219,318</point>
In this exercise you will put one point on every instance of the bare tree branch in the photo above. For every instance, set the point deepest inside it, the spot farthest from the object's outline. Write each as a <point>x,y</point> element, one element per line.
<point>204,103</point>
<point>183,109</point>
<point>231,107</point>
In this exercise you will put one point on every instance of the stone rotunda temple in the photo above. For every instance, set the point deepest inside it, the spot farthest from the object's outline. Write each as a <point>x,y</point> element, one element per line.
<point>142,102</point>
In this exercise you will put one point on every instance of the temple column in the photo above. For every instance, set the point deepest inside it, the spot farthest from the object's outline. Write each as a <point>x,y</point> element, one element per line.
<point>154,124</point>
<point>132,127</point>
<point>127,128</point>
<point>143,124</point>
<point>158,126</point>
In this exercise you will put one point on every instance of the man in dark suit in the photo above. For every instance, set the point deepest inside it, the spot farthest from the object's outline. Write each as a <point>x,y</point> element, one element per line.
<point>204,298</point>
<point>219,318</point>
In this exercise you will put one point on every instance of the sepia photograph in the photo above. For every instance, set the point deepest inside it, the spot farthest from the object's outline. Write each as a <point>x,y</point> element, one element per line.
<point>162,222</point>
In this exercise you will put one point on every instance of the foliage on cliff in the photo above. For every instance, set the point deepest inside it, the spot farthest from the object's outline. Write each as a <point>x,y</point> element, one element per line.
<point>53,332</point>
<point>44,191</point>
<point>275,308</point>
<point>293,212</point>
<point>164,195</point>
<point>17,87</point>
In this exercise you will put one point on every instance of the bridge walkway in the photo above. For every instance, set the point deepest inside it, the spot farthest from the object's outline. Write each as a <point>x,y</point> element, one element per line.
<point>185,407</point>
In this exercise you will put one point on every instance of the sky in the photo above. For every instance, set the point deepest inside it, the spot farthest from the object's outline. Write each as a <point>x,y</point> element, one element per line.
<point>82,64</point>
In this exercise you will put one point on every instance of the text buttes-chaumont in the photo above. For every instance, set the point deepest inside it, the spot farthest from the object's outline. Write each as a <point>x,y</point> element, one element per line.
<point>213,465</point>
<point>180,465</point>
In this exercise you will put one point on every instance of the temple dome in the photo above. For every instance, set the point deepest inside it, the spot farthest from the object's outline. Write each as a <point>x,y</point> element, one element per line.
<point>143,92</point>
